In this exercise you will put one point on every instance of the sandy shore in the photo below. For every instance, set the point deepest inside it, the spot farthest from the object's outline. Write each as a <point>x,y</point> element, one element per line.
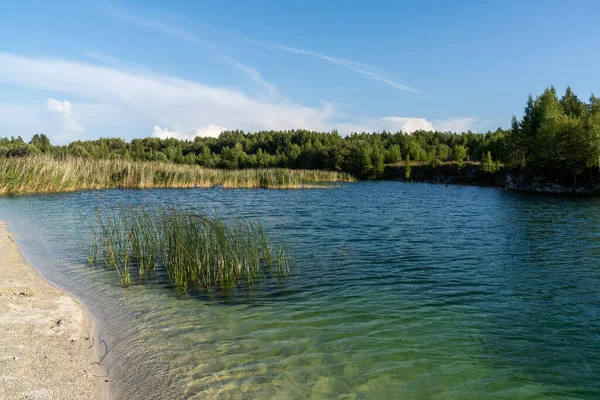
<point>47,350</point>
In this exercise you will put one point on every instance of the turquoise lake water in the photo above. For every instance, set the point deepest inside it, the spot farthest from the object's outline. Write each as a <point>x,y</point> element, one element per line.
<point>403,291</point>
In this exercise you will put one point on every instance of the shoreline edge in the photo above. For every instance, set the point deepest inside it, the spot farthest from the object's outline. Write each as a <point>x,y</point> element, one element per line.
<point>48,339</point>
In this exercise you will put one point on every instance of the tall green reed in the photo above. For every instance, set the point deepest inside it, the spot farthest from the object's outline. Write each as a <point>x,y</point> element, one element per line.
<point>190,247</point>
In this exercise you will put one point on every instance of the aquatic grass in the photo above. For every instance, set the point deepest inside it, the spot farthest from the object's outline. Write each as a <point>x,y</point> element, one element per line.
<point>189,247</point>
<point>46,174</point>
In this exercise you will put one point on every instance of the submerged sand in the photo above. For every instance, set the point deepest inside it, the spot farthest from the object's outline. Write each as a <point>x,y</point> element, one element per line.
<point>47,350</point>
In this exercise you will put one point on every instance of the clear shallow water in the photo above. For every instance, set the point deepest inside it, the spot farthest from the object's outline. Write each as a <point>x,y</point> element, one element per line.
<point>399,291</point>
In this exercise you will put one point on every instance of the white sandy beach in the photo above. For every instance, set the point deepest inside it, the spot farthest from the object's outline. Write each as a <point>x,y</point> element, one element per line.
<point>47,350</point>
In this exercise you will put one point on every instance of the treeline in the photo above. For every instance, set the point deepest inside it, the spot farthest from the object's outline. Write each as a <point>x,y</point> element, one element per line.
<point>555,137</point>
<point>363,155</point>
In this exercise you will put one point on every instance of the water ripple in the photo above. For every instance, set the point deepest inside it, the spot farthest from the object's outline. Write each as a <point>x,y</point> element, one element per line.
<point>408,291</point>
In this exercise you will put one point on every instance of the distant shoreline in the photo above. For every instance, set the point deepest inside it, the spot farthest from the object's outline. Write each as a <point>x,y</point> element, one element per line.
<point>472,174</point>
<point>45,174</point>
<point>47,336</point>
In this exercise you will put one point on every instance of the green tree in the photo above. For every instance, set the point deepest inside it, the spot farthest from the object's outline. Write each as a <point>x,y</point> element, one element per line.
<point>190,159</point>
<point>593,127</point>
<point>394,154</point>
<point>572,106</point>
<point>41,142</point>
<point>79,151</point>
<point>488,166</point>
<point>516,145</point>
<point>459,154</point>
<point>161,157</point>
<point>443,151</point>
<point>377,162</point>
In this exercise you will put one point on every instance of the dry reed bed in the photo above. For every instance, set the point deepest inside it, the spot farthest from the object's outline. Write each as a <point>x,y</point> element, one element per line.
<point>45,174</point>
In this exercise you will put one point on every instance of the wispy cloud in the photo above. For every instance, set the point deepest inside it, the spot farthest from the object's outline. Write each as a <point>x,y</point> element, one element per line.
<point>157,25</point>
<point>52,117</point>
<point>368,71</point>
<point>64,108</point>
<point>125,101</point>
<point>363,69</point>
<point>254,75</point>
<point>160,99</point>
<point>182,34</point>
<point>105,59</point>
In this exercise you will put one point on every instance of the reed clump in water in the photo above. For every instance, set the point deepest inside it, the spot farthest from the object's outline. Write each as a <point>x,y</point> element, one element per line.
<point>189,247</point>
<point>45,174</point>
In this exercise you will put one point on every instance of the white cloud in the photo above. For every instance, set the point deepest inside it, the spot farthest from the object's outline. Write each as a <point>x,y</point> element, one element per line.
<point>123,101</point>
<point>363,69</point>
<point>47,117</point>
<point>160,99</point>
<point>405,124</point>
<point>457,124</point>
<point>64,108</point>
<point>211,130</point>
<point>409,125</point>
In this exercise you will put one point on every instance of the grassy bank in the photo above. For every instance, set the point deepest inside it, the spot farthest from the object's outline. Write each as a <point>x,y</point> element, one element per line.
<point>45,174</point>
<point>189,247</point>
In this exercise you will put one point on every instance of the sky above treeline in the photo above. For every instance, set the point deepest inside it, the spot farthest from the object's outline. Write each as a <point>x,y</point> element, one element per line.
<point>79,70</point>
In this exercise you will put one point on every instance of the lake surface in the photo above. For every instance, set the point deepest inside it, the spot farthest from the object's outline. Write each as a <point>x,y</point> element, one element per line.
<point>409,291</point>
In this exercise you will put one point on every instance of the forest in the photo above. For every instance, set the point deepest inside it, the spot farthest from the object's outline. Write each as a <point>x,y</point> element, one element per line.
<point>555,137</point>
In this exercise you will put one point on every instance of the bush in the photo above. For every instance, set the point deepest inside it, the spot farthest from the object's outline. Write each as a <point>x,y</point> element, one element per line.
<point>488,166</point>
<point>435,162</point>
<point>407,168</point>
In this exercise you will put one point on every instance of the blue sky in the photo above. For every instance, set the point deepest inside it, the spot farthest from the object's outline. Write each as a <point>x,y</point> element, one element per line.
<point>89,69</point>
